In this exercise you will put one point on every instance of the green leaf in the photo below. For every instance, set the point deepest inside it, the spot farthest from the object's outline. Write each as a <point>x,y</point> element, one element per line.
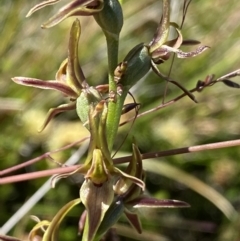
<point>111,217</point>
<point>138,63</point>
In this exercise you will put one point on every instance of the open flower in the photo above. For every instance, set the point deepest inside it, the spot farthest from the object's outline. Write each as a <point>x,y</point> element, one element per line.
<point>160,47</point>
<point>69,79</point>
<point>74,8</point>
<point>97,191</point>
<point>144,57</point>
<point>98,166</point>
<point>130,197</point>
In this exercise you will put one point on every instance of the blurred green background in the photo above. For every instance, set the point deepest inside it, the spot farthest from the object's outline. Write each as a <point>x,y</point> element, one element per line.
<point>27,50</point>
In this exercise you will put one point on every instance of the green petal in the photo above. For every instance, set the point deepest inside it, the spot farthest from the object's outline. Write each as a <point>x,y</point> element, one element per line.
<point>82,169</point>
<point>125,185</point>
<point>97,173</point>
<point>75,76</point>
<point>135,180</point>
<point>138,63</point>
<point>39,225</point>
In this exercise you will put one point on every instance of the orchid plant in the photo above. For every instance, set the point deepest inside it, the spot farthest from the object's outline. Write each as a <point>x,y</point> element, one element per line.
<point>108,192</point>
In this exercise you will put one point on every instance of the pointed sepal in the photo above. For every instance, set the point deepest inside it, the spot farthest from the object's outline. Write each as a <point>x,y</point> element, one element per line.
<point>97,200</point>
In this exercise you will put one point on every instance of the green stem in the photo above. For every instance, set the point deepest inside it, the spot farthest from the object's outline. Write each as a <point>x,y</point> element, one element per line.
<point>114,109</point>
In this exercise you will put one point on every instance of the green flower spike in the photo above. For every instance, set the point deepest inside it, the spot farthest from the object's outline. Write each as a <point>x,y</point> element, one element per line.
<point>110,19</point>
<point>99,166</point>
<point>69,79</point>
<point>97,192</point>
<point>74,8</point>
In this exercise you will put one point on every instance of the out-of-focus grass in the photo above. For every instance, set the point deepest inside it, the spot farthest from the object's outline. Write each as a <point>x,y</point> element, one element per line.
<point>27,50</point>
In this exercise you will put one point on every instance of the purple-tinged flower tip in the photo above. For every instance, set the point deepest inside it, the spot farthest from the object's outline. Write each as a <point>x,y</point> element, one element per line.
<point>149,202</point>
<point>54,111</point>
<point>74,8</point>
<point>74,74</point>
<point>161,35</point>
<point>134,220</point>
<point>50,84</point>
<point>40,6</point>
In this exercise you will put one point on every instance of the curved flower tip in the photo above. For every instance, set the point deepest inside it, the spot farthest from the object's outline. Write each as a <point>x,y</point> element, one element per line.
<point>49,84</point>
<point>131,183</point>
<point>69,79</point>
<point>161,35</point>
<point>160,47</point>
<point>199,50</point>
<point>41,5</point>
<point>149,202</point>
<point>74,8</point>
<point>54,111</point>
<point>52,227</point>
<point>134,220</point>
<point>40,225</point>
<point>54,85</point>
<point>163,53</point>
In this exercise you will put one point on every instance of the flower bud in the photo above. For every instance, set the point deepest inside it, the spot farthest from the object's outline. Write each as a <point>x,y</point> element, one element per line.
<point>138,62</point>
<point>110,19</point>
<point>88,97</point>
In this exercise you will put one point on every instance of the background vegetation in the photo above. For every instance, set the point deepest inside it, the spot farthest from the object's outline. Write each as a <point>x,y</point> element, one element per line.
<point>27,50</point>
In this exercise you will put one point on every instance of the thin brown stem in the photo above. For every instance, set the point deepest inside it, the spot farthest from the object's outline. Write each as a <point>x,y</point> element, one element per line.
<point>45,155</point>
<point>35,175</point>
<point>170,102</point>
<point>163,105</point>
<point>183,150</point>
